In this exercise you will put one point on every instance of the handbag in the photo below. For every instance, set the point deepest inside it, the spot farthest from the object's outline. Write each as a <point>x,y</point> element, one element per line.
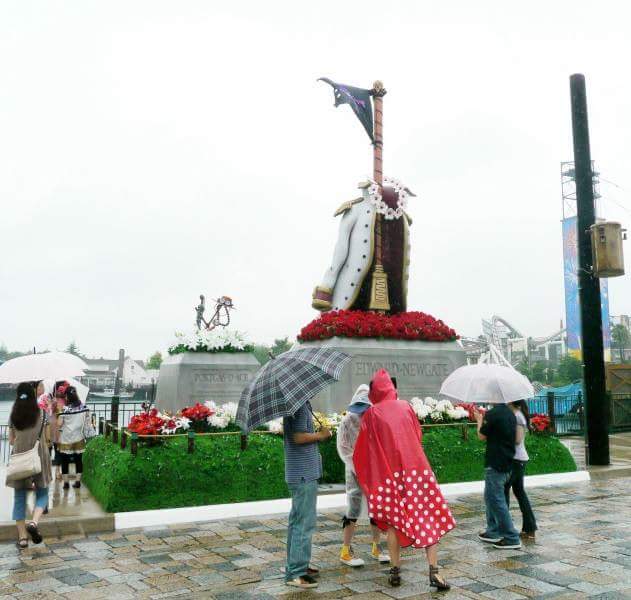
<point>88,429</point>
<point>26,464</point>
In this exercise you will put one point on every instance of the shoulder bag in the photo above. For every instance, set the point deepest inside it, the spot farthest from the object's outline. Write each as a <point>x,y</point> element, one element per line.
<point>26,464</point>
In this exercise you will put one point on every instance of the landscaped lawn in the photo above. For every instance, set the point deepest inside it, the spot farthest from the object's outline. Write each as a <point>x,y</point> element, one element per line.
<point>217,472</point>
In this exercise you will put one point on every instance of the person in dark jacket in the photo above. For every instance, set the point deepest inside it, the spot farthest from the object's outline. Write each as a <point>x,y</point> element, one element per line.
<point>498,427</point>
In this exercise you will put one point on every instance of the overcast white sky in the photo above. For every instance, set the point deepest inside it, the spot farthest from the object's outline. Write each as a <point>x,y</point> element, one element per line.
<point>153,150</point>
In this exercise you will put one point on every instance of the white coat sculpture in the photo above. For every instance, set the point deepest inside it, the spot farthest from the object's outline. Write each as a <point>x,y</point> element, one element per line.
<point>346,283</point>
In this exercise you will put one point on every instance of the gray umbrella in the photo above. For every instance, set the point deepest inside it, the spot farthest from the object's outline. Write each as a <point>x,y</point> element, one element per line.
<point>286,382</point>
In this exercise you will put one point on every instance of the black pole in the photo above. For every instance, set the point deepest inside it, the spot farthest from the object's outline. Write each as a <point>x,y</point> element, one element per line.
<point>118,382</point>
<point>597,436</point>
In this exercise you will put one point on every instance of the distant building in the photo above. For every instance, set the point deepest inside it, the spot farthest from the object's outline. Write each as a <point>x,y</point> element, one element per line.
<point>134,373</point>
<point>102,373</point>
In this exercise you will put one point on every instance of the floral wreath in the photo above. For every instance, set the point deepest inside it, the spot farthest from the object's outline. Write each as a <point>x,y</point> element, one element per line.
<point>374,194</point>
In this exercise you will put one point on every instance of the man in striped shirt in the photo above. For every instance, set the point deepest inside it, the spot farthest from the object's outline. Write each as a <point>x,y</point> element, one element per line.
<point>303,468</point>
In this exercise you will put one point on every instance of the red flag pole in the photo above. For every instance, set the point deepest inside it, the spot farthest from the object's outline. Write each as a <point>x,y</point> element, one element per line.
<point>379,298</point>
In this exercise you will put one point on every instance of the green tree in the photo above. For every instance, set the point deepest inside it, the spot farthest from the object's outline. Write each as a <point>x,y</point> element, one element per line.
<point>570,369</point>
<point>621,338</point>
<point>261,353</point>
<point>524,368</point>
<point>155,360</point>
<point>281,346</point>
<point>72,348</point>
<point>6,355</point>
<point>264,353</point>
<point>539,371</point>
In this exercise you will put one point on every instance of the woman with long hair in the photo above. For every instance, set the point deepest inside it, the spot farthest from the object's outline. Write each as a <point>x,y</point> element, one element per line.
<point>57,405</point>
<point>27,425</point>
<point>73,423</point>
<point>404,499</point>
<point>520,460</point>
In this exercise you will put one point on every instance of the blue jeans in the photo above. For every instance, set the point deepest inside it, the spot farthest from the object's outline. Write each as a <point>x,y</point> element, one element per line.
<point>499,523</point>
<point>19,502</point>
<point>302,524</point>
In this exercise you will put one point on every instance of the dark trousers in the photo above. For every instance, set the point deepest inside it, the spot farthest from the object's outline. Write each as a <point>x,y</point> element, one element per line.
<point>516,482</point>
<point>66,459</point>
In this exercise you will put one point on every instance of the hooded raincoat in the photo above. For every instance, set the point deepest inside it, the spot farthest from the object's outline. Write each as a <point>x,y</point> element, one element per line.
<point>394,473</point>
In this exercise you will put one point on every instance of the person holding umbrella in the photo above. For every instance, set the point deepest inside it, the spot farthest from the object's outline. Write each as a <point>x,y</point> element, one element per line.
<point>283,388</point>
<point>520,460</point>
<point>303,469</point>
<point>498,428</point>
<point>499,385</point>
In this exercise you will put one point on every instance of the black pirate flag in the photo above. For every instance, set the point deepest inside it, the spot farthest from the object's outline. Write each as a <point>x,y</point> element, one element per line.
<point>358,99</point>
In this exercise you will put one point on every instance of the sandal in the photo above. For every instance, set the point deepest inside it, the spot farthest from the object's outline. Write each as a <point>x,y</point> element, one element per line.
<point>436,581</point>
<point>395,577</point>
<point>22,543</point>
<point>33,531</point>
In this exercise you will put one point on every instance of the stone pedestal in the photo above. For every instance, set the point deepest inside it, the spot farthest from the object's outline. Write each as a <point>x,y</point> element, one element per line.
<point>419,367</point>
<point>193,377</point>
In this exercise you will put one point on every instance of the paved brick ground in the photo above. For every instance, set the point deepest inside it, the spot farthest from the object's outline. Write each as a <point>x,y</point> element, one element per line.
<point>583,550</point>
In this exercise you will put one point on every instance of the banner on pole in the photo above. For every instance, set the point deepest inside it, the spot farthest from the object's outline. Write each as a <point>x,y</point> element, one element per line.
<point>572,305</point>
<point>358,99</point>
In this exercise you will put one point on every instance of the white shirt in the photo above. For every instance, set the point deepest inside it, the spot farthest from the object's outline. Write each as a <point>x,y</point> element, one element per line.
<point>520,449</point>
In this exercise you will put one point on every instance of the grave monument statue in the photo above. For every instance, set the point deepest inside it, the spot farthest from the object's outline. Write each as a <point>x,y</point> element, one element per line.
<point>369,275</point>
<point>212,363</point>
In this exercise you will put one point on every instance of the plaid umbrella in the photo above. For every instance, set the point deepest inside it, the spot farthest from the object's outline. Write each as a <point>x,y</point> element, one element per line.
<point>286,382</point>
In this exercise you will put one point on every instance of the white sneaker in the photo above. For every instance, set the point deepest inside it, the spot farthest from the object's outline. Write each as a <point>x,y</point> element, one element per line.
<point>348,558</point>
<point>353,561</point>
<point>382,557</point>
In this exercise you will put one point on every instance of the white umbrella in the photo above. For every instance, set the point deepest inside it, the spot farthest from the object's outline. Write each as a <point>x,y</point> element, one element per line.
<point>48,365</point>
<point>487,384</point>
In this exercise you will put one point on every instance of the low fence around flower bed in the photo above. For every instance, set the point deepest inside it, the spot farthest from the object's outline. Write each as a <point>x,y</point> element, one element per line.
<point>153,427</point>
<point>165,473</point>
<point>124,437</point>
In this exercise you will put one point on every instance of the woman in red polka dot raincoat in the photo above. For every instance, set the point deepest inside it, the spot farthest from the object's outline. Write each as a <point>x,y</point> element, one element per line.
<point>402,493</point>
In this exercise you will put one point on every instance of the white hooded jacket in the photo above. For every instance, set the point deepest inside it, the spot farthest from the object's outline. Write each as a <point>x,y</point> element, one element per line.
<point>348,430</point>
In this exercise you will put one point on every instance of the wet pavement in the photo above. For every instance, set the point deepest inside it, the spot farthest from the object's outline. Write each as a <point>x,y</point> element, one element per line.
<point>583,549</point>
<point>70,511</point>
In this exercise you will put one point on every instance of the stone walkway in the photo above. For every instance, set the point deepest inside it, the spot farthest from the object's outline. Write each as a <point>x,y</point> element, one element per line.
<point>583,550</point>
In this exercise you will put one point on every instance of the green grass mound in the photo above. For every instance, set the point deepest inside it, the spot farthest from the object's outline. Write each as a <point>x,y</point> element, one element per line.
<point>218,472</point>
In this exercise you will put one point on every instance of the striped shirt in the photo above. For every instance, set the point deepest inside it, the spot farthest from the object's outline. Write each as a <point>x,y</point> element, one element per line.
<point>303,462</point>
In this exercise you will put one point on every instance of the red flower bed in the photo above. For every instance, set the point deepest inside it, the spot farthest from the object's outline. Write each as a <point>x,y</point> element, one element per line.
<point>365,324</point>
<point>199,412</point>
<point>471,408</point>
<point>146,423</point>
<point>540,423</point>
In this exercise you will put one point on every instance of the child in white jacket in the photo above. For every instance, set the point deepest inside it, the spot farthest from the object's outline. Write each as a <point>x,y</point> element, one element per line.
<point>346,437</point>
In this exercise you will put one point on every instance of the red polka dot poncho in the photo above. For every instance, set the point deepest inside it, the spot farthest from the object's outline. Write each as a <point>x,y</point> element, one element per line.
<point>394,473</point>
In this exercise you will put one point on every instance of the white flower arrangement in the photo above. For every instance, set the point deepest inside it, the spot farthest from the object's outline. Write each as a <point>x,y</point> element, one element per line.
<point>229,409</point>
<point>219,421</point>
<point>223,415</point>
<point>216,340</point>
<point>430,410</point>
<point>376,199</point>
<point>276,426</point>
